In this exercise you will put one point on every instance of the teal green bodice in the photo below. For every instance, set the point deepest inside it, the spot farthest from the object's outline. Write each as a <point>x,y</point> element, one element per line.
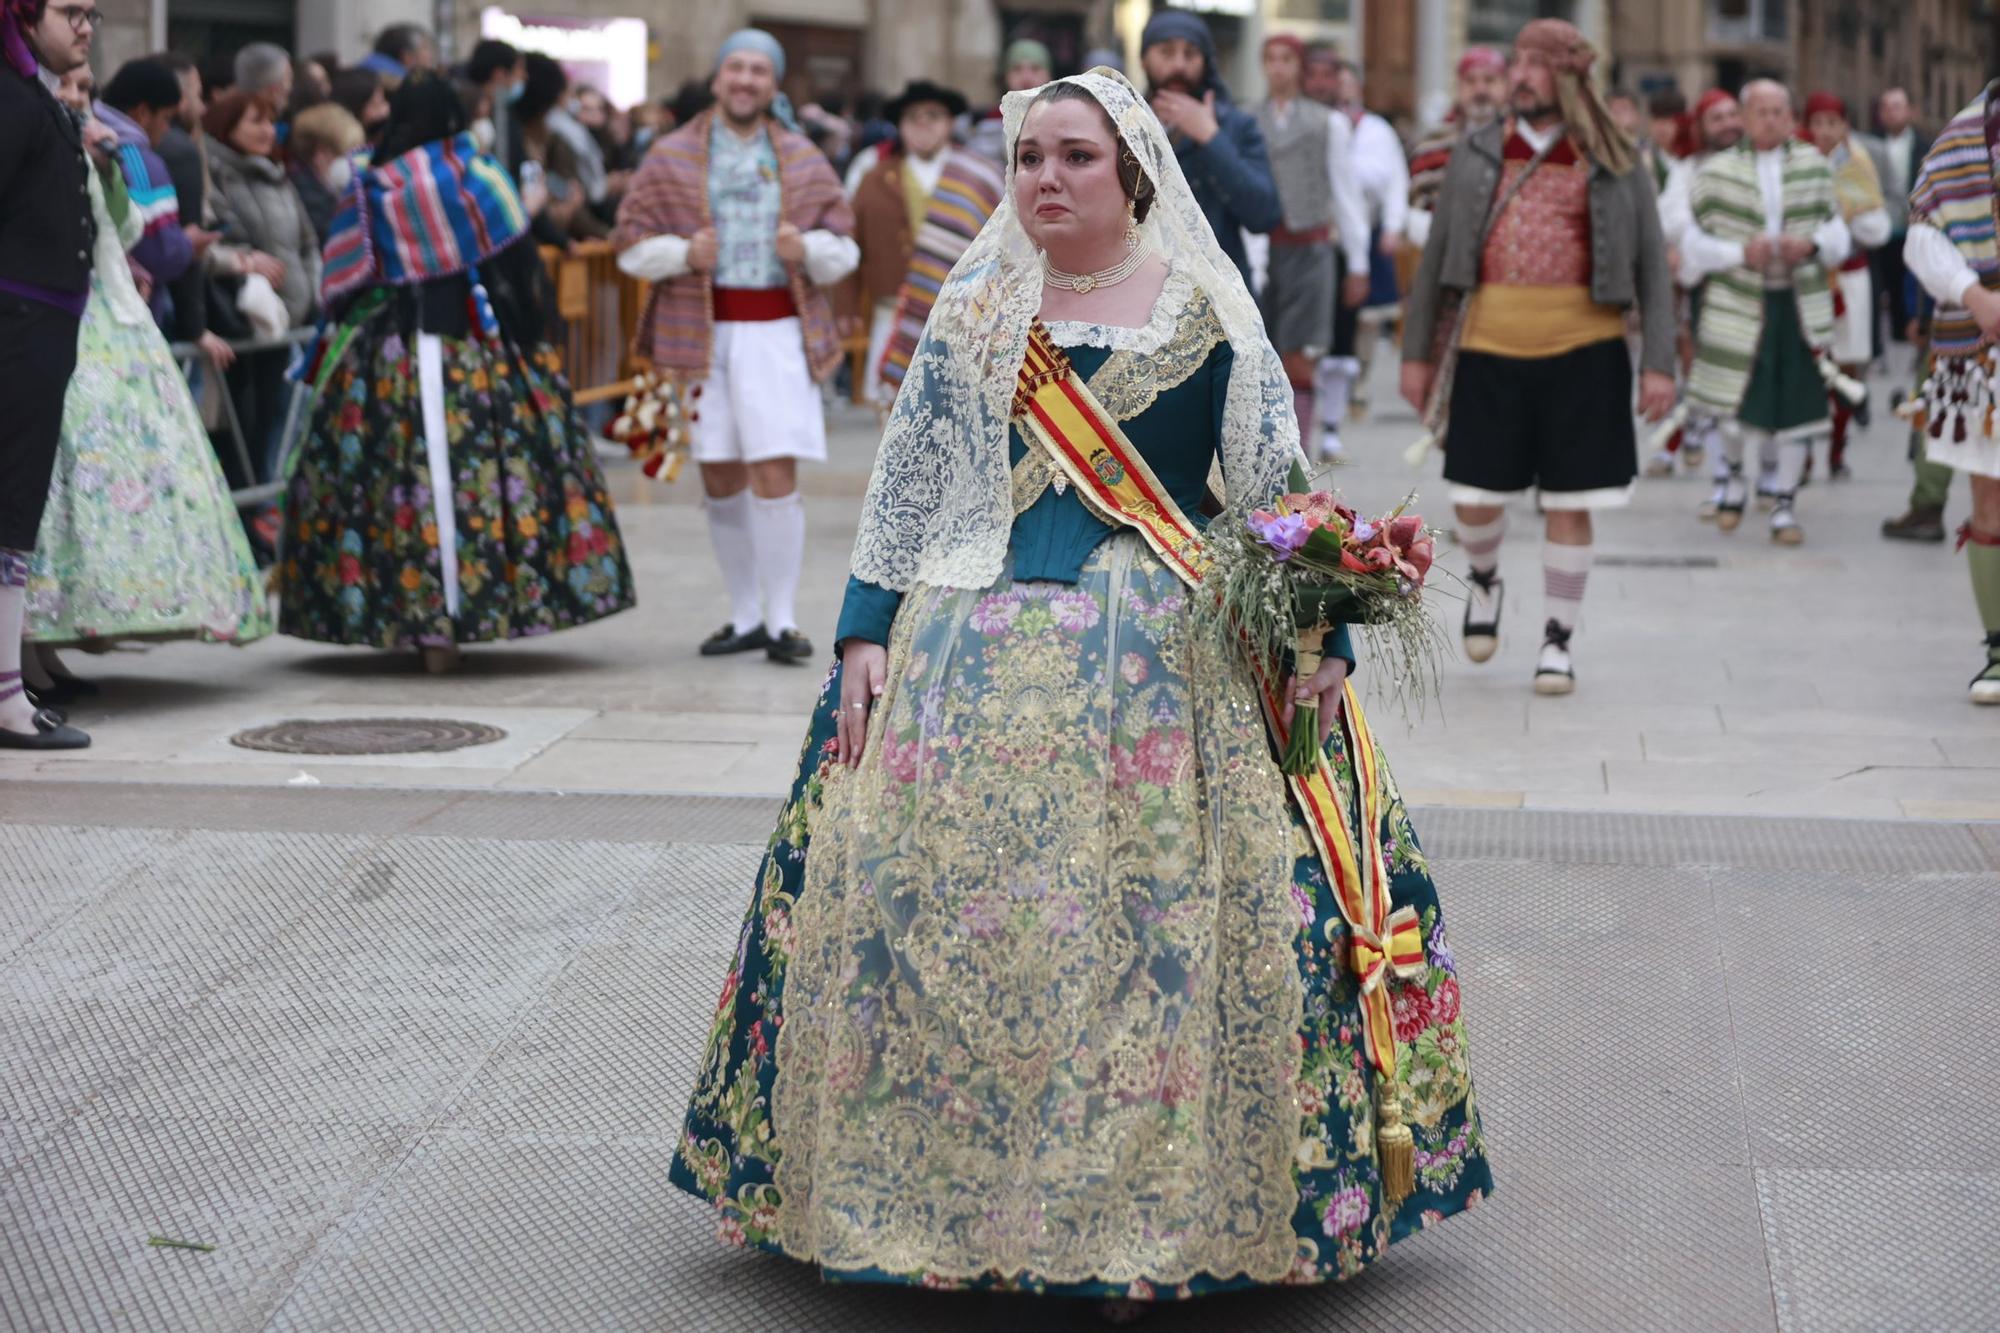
<point>1169,403</point>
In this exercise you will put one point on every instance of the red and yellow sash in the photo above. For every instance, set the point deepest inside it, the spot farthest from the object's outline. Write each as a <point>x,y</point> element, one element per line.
<point>1058,412</point>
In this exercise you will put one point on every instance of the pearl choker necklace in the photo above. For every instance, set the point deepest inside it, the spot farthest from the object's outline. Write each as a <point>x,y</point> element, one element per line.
<point>1088,282</point>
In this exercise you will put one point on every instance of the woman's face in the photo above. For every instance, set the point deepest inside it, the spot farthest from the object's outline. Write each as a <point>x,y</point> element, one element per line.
<point>77,88</point>
<point>1066,186</point>
<point>254,134</point>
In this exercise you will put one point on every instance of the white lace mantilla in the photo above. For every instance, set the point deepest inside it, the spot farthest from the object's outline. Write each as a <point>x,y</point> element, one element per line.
<point>939,508</point>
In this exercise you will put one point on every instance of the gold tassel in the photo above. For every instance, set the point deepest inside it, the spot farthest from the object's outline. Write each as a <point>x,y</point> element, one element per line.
<point>1394,1144</point>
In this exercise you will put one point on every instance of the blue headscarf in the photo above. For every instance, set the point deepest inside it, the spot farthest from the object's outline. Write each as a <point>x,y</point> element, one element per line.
<point>758,42</point>
<point>1171,23</point>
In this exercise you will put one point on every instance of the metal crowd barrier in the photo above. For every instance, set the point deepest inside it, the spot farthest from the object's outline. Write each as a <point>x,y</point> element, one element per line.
<point>187,355</point>
<point>599,307</point>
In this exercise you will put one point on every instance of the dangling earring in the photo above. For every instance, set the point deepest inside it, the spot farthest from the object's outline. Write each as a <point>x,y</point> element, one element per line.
<point>1131,225</point>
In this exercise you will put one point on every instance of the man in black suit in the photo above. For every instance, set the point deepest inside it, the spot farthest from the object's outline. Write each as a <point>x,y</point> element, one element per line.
<point>1901,146</point>
<point>47,235</point>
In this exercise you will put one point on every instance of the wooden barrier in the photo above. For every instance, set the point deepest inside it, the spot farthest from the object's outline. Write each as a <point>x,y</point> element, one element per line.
<point>600,308</point>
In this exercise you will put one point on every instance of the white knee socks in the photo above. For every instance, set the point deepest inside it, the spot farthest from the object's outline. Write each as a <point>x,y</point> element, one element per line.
<point>729,534</point>
<point>1481,543</point>
<point>16,713</point>
<point>1793,455</point>
<point>1336,379</point>
<point>1565,572</point>
<point>778,534</point>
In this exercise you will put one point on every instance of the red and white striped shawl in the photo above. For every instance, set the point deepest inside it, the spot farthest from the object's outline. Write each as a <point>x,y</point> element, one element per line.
<point>669,197</point>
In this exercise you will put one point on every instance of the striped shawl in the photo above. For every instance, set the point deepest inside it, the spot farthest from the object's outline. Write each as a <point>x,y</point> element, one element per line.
<point>1955,193</point>
<point>437,211</point>
<point>1729,205</point>
<point>967,193</point>
<point>669,197</point>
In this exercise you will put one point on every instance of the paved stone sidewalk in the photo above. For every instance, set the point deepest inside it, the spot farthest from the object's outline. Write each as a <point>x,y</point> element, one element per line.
<point>1719,675</point>
<point>414,1060</point>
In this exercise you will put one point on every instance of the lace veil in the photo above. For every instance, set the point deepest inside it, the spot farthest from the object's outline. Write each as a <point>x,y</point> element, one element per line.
<point>939,506</point>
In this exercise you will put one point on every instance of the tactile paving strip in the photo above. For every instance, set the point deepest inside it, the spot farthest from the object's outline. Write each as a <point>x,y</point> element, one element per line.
<point>425,1078</point>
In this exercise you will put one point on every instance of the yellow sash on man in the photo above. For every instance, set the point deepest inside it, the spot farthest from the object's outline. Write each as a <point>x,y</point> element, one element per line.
<point>1058,412</point>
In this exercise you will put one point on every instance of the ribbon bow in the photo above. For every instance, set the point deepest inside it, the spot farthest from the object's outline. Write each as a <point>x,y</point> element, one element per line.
<point>1398,951</point>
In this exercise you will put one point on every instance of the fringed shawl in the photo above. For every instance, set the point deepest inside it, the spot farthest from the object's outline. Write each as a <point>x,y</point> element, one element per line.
<point>435,212</point>
<point>967,192</point>
<point>669,197</point>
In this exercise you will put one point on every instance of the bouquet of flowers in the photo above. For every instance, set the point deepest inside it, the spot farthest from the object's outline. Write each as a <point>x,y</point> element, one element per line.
<point>653,424</point>
<point>1285,575</point>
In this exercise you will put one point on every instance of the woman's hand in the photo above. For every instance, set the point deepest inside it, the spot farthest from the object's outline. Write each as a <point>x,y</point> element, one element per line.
<point>1327,687</point>
<point>864,668</point>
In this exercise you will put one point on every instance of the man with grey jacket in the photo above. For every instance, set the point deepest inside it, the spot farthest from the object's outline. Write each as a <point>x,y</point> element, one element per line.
<point>1541,394</point>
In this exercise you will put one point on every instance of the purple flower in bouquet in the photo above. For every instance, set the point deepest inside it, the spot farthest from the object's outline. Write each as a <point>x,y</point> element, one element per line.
<point>1283,533</point>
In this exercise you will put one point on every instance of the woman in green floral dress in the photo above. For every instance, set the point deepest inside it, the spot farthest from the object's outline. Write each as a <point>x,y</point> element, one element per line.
<point>1043,986</point>
<point>140,539</point>
<point>446,492</point>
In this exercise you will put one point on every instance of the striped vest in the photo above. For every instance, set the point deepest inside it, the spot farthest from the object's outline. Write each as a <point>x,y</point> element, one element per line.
<point>1729,205</point>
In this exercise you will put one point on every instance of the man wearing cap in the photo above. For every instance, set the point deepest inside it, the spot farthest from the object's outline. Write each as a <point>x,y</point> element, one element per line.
<point>1767,233</point>
<point>1025,64</point>
<point>1857,192</point>
<point>914,215</point>
<point>1219,145</point>
<point>1321,200</point>
<point>1541,390</point>
<point>1482,89</point>
<point>741,225</point>
<point>1715,125</point>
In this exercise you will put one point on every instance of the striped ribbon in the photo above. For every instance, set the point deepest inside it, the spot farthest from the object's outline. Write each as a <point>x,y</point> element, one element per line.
<point>1059,413</point>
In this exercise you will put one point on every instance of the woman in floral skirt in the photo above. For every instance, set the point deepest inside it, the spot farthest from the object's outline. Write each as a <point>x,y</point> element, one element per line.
<point>140,539</point>
<point>446,492</point>
<point>1044,985</point>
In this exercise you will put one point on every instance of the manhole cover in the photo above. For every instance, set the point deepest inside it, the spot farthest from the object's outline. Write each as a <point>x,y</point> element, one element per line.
<point>368,735</point>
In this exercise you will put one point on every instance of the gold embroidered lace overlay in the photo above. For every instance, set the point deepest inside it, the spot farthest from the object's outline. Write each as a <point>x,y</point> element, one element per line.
<point>1042,1015</point>
<point>1127,384</point>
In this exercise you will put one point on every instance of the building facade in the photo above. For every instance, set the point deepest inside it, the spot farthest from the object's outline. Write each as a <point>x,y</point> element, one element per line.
<point>1939,50</point>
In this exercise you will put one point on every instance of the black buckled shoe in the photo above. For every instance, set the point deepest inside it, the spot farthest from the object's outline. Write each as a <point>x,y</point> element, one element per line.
<point>1553,672</point>
<point>790,647</point>
<point>726,641</point>
<point>50,733</point>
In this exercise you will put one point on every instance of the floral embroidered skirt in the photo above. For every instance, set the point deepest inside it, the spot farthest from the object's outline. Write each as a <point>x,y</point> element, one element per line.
<point>1048,994</point>
<point>140,538</point>
<point>538,549</point>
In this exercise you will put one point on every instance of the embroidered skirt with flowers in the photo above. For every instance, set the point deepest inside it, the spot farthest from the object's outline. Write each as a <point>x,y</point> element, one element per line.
<point>1048,994</point>
<point>537,545</point>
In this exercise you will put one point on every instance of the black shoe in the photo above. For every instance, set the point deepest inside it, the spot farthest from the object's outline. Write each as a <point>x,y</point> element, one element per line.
<point>43,703</point>
<point>1921,524</point>
<point>1482,637</point>
<point>789,647</point>
<point>1864,411</point>
<point>50,733</point>
<point>726,641</point>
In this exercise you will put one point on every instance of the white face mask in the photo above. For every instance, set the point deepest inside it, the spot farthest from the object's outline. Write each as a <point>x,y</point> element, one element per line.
<point>339,175</point>
<point>483,133</point>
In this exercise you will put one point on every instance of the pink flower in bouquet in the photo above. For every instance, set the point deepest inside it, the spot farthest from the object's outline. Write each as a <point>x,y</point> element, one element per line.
<point>1416,562</point>
<point>1404,529</point>
<point>1318,508</point>
<point>1283,533</point>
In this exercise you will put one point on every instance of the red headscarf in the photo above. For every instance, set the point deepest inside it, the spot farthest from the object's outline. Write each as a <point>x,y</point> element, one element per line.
<point>1560,43</point>
<point>1480,58</point>
<point>1692,141</point>
<point>1828,103</point>
<point>1290,41</point>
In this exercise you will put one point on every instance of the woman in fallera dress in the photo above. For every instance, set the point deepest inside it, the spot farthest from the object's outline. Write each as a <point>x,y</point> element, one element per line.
<point>446,492</point>
<point>140,539</point>
<point>1044,985</point>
